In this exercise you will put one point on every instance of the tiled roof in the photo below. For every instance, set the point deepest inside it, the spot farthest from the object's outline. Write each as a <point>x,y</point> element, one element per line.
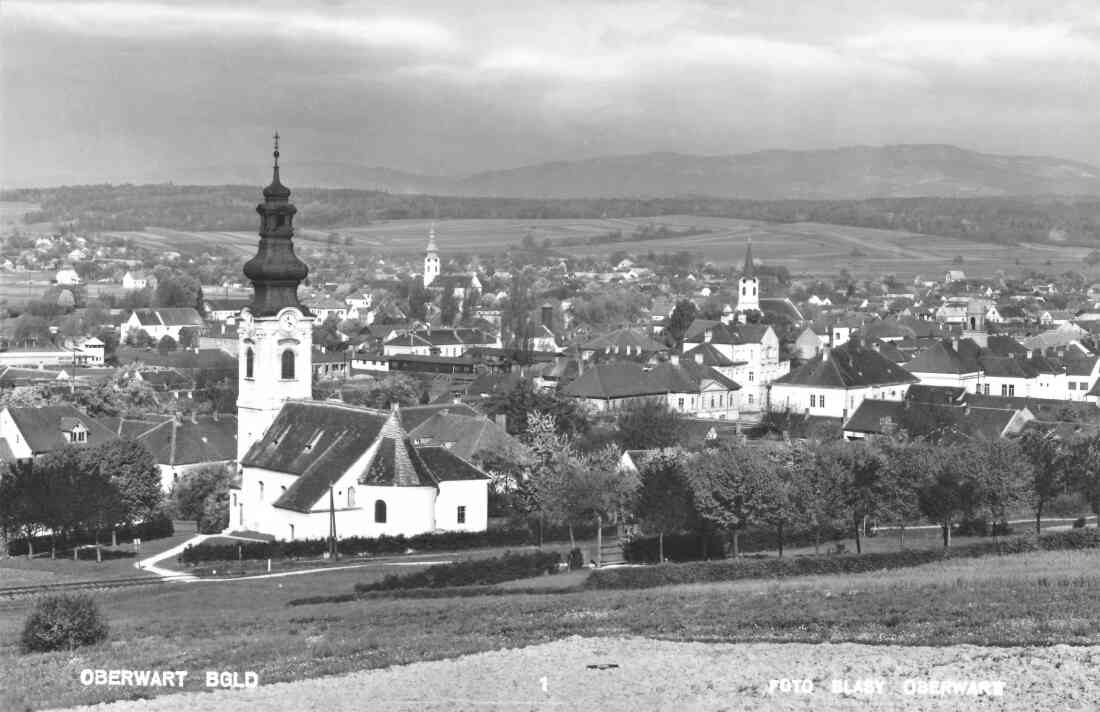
<point>708,355</point>
<point>724,333</point>
<point>469,436</point>
<point>628,379</point>
<point>169,316</point>
<point>398,464</point>
<point>41,427</point>
<point>942,357</point>
<point>871,416</point>
<point>1008,367</point>
<point>336,435</point>
<point>924,393</point>
<point>620,340</point>
<point>413,416</point>
<point>448,466</point>
<point>780,306</point>
<point>187,443</point>
<point>847,366</point>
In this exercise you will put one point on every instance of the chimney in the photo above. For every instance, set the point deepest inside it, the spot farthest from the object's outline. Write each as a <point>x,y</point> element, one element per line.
<point>501,419</point>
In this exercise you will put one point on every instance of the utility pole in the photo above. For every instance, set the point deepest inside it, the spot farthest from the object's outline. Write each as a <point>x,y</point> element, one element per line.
<point>331,524</point>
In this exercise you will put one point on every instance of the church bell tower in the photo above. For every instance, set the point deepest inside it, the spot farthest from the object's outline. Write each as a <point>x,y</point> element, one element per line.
<point>275,331</point>
<point>748,287</point>
<point>431,259</point>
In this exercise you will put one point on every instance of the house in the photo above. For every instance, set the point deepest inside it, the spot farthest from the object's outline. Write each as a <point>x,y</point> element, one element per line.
<point>30,432</point>
<point>67,276</point>
<point>954,275</point>
<point>137,279</point>
<point>325,307</point>
<point>753,352</point>
<point>836,381</point>
<point>474,438</point>
<point>449,343</point>
<point>359,467</point>
<point>948,363</point>
<point>161,322</point>
<point>224,309</point>
<point>879,417</point>
<point>687,387</point>
<point>629,343</point>
<point>181,445</point>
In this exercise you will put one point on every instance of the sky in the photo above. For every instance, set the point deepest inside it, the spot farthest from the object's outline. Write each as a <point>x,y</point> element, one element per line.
<point>159,90</point>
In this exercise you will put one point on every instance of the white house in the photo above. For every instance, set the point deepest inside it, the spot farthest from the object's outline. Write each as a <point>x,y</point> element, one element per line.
<point>836,381</point>
<point>753,351</point>
<point>67,277</point>
<point>136,280</point>
<point>162,322</point>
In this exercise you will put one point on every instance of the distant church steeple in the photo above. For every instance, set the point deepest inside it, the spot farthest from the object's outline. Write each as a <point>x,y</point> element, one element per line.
<point>748,291</point>
<point>431,258</point>
<point>275,271</point>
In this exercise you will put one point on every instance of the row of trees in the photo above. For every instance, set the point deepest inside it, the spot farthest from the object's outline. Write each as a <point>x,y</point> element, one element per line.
<point>843,485</point>
<point>79,488</point>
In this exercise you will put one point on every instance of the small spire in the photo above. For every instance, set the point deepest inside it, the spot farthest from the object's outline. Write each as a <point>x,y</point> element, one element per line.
<point>749,270</point>
<point>276,154</point>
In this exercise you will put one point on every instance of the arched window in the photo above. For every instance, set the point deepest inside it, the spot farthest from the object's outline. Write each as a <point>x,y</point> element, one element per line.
<point>292,532</point>
<point>261,491</point>
<point>351,496</point>
<point>754,290</point>
<point>234,505</point>
<point>379,511</point>
<point>288,365</point>
<point>743,290</point>
<point>249,362</point>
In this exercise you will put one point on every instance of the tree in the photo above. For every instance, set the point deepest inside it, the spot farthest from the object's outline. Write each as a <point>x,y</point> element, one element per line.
<point>139,338</point>
<point>327,333</point>
<point>197,494</point>
<point>189,337</point>
<point>448,307</point>
<point>166,344</point>
<point>1045,461</point>
<point>664,502</point>
<point>175,289</point>
<point>905,466</point>
<point>522,399</point>
<point>394,388</point>
<point>1082,462</point>
<point>682,317</point>
<point>858,482</point>
<point>951,487</point>
<point>20,500</point>
<point>650,424</point>
<point>134,476</point>
<point>726,489</point>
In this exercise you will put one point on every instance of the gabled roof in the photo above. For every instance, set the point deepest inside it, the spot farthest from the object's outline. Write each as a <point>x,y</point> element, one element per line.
<point>780,306</point>
<point>724,333</point>
<point>468,436</point>
<point>942,357</point>
<point>620,340</point>
<point>42,427</point>
<point>189,443</point>
<point>872,415</point>
<point>708,355</point>
<point>169,316</point>
<point>628,379</point>
<point>924,393</point>
<point>847,366</point>
<point>414,416</point>
<point>1007,367</point>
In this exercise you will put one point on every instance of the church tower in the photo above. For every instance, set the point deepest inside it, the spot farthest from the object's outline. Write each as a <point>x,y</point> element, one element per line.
<point>748,292</point>
<point>275,331</point>
<point>431,259</point>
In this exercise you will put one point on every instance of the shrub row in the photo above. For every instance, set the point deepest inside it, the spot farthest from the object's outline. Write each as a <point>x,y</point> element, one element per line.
<point>704,546</point>
<point>158,526</point>
<point>352,546</point>
<point>476,572</point>
<point>736,569</point>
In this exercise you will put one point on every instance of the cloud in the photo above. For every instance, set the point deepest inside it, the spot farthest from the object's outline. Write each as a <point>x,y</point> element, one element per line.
<point>153,20</point>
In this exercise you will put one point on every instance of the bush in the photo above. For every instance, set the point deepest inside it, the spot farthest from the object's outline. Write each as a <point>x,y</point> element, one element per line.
<point>63,622</point>
<point>470,573</point>
<point>158,526</point>
<point>737,569</point>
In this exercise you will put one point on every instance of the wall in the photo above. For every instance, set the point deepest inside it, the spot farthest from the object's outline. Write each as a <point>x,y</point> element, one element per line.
<point>473,494</point>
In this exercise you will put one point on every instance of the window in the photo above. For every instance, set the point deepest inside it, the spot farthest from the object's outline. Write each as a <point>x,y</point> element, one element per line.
<point>261,491</point>
<point>985,389</point>
<point>1073,385</point>
<point>80,435</point>
<point>288,365</point>
<point>379,511</point>
<point>751,377</point>
<point>821,401</point>
<point>754,290</point>
<point>234,500</point>
<point>712,401</point>
<point>280,220</point>
<point>351,496</point>
<point>750,399</point>
<point>461,515</point>
<point>1083,385</point>
<point>1011,390</point>
<point>680,403</point>
<point>813,400</point>
<point>292,532</point>
<point>249,361</point>
<point>720,400</point>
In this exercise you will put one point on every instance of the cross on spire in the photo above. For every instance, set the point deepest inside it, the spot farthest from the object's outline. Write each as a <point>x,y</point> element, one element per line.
<point>276,137</point>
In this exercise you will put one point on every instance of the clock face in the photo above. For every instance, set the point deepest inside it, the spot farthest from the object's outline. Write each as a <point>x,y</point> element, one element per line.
<point>288,320</point>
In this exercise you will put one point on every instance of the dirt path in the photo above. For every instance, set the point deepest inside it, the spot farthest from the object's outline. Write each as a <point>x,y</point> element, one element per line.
<point>580,674</point>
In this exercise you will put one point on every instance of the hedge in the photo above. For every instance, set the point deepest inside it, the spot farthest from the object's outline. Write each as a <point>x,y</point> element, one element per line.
<point>352,546</point>
<point>477,572</point>
<point>156,527</point>
<point>699,546</point>
<point>738,569</point>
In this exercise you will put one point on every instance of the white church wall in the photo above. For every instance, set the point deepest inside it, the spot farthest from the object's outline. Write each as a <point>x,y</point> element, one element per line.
<point>471,494</point>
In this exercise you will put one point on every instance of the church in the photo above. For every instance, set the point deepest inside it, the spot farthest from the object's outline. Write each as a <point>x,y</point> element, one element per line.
<point>309,467</point>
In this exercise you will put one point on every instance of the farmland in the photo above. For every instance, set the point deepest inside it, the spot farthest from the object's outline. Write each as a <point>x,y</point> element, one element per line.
<point>1027,599</point>
<point>810,249</point>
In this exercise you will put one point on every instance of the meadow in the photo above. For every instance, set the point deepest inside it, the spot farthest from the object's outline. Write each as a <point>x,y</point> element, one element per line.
<point>1026,599</point>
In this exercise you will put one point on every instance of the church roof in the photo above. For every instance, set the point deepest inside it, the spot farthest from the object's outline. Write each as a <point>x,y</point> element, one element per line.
<point>749,268</point>
<point>398,464</point>
<point>447,466</point>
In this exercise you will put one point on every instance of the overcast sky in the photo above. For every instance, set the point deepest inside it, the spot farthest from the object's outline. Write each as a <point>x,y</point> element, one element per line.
<point>127,90</point>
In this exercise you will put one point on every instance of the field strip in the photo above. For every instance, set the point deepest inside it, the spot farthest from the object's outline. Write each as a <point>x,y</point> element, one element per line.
<point>632,674</point>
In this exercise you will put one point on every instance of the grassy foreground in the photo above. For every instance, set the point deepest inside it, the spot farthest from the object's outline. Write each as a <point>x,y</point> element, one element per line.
<point>1035,598</point>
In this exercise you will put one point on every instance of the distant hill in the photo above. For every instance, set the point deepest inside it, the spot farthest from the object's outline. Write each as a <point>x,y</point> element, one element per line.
<point>852,173</point>
<point>840,174</point>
